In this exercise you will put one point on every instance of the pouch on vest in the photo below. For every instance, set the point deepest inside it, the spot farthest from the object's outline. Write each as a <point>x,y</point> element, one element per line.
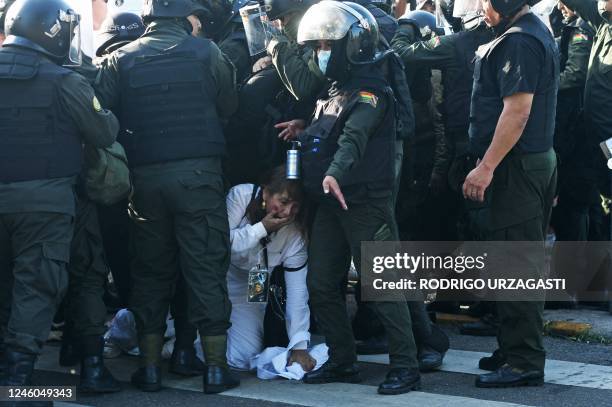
<point>107,176</point>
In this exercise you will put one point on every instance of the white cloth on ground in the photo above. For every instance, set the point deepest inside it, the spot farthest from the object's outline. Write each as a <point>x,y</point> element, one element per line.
<point>272,362</point>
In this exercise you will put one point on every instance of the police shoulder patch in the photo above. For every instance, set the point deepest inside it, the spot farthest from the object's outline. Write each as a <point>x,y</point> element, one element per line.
<point>369,98</point>
<point>96,104</point>
<point>579,37</point>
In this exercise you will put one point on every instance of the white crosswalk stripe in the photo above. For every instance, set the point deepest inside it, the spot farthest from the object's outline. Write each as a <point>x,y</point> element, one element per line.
<point>555,372</point>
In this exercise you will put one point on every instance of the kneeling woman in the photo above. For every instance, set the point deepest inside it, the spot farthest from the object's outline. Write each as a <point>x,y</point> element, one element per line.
<point>267,221</point>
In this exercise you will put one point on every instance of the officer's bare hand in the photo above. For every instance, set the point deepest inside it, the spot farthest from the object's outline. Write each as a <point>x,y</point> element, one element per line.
<point>273,223</point>
<point>262,63</point>
<point>477,182</point>
<point>302,357</point>
<point>331,185</point>
<point>290,129</point>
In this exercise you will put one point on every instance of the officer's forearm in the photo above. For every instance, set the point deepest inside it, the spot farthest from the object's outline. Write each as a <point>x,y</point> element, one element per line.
<point>510,126</point>
<point>296,75</point>
<point>575,72</point>
<point>587,9</point>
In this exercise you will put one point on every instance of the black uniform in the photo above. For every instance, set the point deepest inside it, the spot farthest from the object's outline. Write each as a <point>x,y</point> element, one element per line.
<point>519,199</point>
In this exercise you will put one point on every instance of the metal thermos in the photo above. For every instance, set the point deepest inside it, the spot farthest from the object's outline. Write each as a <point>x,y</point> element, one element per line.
<point>293,161</point>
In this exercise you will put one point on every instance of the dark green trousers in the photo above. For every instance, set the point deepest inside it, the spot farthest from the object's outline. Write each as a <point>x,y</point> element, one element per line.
<point>34,252</point>
<point>517,207</point>
<point>179,222</point>
<point>88,272</point>
<point>336,236</point>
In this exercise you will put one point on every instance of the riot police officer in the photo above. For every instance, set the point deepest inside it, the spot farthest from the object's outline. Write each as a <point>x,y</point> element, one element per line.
<point>511,133</point>
<point>118,29</point>
<point>171,89</point>
<point>349,169</point>
<point>234,44</point>
<point>40,156</point>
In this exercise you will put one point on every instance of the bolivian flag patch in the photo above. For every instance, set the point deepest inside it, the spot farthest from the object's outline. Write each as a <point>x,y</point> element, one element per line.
<point>369,98</point>
<point>579,37</point>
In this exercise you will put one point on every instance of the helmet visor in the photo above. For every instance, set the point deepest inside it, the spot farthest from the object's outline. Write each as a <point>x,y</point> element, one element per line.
<point>75,53</point>
<point>325,21</point>
<point>467,9</point>
<point>254,20</point>
<point>441,21</point>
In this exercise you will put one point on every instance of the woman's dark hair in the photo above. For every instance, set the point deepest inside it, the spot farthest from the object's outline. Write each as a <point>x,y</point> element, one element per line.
<point>276,182</point>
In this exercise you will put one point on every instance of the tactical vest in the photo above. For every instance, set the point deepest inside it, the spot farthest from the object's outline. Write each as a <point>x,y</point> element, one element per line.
<point>38,140</point>
<point>456,105</point>
<point>487,103</point>
<point>375,171</point>
<point>168,109</point>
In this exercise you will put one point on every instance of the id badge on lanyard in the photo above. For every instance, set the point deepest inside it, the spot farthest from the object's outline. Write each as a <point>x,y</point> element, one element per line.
<point>259,281</point>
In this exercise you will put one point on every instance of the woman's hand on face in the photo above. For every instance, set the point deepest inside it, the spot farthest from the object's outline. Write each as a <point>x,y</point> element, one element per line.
<point>272,223</point>
<point>302,357</point>
<point>290,129</point>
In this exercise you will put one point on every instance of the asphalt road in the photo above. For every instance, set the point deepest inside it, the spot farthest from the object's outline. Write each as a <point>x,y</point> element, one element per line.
<point>441,388</point>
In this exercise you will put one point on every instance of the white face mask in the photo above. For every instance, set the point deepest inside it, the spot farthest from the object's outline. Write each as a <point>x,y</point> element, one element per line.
<point>323,58</point>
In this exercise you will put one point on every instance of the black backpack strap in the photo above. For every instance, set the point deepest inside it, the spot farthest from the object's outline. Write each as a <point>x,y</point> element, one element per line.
<point>295,268</point>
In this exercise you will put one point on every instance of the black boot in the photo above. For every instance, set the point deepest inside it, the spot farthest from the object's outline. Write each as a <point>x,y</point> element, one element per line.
<point>507,376</point>
<point>429,359</point>
<point>19,373</point>
<point>400,381</point>
<point>95,377</point>
<point>218,377</point>
<point>184,362</point>
<point>493,362</point>
<point>148,376</point>
<point>331,373</point>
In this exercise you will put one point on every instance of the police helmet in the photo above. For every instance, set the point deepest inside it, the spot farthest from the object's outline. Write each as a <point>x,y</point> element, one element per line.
<point>334,20</point>
<point>276,9</point>
<point>117,30</point>
<point>46,26</point>
<point>510,7</point>
<point>218,13</point>
<point>423,21</point>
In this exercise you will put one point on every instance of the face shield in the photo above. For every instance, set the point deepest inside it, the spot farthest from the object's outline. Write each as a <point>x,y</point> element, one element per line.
<point>256,27</point>
<point>83,43</point>
<point>328,20</point>
<point>441,21</point>
<point>469,11</point>
<point>75,53</point>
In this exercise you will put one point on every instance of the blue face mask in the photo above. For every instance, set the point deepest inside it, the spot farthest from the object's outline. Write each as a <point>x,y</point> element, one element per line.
<point>323,58</point>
